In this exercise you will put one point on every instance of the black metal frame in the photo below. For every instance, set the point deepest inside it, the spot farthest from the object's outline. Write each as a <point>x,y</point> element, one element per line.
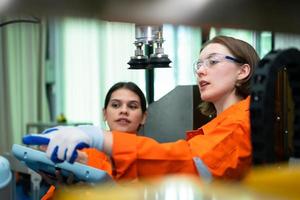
<point>262,107</point>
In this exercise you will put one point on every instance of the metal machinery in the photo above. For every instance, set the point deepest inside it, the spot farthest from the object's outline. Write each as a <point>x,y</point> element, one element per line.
<point>174,114</point>
<point>149,37</point>
<point>149,54</point>
<point>264,115</point>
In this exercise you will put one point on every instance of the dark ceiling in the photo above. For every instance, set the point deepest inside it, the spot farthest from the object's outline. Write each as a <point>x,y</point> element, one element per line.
<point>279,16</point>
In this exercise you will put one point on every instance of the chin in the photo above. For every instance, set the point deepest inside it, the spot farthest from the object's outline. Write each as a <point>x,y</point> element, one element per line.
<point>203,97</point>
<point>127,130</point>
<point>122,129</point>
<point>206,98</point>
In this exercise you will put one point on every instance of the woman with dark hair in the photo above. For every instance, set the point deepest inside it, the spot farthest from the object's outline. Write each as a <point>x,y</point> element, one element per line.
<point>220,149</point>
<point>125,110</point>
<point>129,95</point>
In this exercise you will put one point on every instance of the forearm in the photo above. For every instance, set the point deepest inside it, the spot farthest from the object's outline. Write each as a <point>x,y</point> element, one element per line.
<point>136,156</point>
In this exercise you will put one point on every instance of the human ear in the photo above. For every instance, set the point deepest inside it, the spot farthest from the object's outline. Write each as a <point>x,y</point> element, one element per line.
<point>244,71</point>
<point>144,118</point>
<point>104,114</point>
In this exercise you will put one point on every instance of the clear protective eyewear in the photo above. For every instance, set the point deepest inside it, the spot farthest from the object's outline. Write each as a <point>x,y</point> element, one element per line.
<point>213,60</point>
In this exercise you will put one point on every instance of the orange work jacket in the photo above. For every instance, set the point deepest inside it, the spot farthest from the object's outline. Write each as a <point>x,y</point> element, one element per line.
<point>222,147</point>
<point>96,159</point>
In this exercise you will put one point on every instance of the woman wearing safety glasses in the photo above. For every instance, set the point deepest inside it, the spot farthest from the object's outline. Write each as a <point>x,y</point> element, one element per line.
<point>220,149</point>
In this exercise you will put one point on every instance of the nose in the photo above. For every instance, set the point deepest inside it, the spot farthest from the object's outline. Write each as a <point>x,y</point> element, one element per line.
<point>124,110</point>
<point>201,71</point>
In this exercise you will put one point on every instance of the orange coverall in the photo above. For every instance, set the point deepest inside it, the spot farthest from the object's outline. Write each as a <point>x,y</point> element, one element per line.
<point>96,159</point>
<point>223,146</point>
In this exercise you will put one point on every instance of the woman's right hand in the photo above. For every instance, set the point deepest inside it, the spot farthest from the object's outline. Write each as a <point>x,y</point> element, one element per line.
<point>81,158</point>
<point>64,141</point>
<point>58,179</point>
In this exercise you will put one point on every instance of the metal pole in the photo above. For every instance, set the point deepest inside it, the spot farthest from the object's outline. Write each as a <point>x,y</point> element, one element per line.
<point>149,75</point>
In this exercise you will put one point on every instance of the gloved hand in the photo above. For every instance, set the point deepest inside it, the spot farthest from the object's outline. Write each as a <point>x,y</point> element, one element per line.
<point>63,141</point>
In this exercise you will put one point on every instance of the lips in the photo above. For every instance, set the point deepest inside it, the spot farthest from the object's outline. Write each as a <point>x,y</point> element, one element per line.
<point>123,121</point>
<point>203,83</point>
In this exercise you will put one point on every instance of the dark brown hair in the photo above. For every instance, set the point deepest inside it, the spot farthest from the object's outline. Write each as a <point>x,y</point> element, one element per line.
<point>245,53</point>
<point>130,86</point>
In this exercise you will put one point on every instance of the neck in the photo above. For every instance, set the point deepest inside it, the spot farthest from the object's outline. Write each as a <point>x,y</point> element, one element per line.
<point>225,102</point>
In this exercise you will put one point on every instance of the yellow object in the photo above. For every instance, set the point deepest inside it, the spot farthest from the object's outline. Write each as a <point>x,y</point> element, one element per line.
<point>282,181</point>
<point>168,188</point>
<point>61,118</point>
<point>278,182</point>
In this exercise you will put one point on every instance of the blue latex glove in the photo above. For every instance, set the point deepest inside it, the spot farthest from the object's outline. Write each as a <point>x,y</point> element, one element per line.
<point>63,141</point>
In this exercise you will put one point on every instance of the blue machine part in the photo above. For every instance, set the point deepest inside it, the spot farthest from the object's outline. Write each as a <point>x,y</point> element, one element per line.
<point>38,161</point>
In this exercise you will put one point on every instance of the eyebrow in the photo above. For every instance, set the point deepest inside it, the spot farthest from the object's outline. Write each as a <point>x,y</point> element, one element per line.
<point>210,55</point>
<point>130,101</point>
<point>213,54</point>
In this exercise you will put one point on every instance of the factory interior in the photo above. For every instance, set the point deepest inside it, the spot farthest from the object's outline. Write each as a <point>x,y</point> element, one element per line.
<point>59,58</point>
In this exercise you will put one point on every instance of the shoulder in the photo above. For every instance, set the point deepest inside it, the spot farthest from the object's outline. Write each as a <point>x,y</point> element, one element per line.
<point>237,113</point>
<point>234,118</point>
